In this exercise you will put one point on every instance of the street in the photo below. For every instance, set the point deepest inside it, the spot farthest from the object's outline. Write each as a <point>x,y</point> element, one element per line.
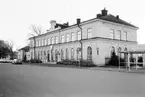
<point>37,81</point>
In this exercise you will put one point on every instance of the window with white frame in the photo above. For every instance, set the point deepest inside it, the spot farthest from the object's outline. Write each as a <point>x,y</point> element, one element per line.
<point>89,32</point>
<point>79,35</point>
<point>118,34</point>
<point>45,41</point>
<point>112,33</point>
<point>52,40</point>
<point>67,38</point>
<point>73,36</point>
<point>62,38</point>
<point>124,36</point>
<point>39,42</point>
<point>48,41</point>
<point>36,43</point>
<point>42,42</point>
<point>72,54</point>
<point>56,39</point>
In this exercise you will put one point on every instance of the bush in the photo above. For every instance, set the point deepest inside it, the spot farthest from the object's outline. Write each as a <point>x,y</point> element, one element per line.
<point>83,63</point>
<point>114,61</point>
<point>86,63</point>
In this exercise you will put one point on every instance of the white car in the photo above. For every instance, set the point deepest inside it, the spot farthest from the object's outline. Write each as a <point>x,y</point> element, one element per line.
<point>17,61</point>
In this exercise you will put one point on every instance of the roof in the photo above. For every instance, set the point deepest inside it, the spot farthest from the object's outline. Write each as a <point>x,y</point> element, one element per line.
<point>26,48</point>
<point>115,19</point>
<point>102,16</point>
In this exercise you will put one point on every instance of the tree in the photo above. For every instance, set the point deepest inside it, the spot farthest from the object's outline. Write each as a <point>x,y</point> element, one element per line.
<point>5,49</point>
<point>36,31</point>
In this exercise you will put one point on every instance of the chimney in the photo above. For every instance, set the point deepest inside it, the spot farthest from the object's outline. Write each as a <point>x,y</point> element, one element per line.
<point>53,24</point>
<point>104,12</point>
<point>99,15</point>
<point>117,17</point>
<point>78,21</point>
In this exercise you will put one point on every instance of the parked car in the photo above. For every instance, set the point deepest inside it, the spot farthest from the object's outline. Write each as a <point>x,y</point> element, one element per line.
<point>17,61</point>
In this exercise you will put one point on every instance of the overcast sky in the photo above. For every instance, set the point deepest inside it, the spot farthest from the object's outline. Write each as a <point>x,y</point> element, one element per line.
<point>16,16</point>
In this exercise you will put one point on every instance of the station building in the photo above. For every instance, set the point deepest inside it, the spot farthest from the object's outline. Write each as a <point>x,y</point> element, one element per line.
<point>92,40</point>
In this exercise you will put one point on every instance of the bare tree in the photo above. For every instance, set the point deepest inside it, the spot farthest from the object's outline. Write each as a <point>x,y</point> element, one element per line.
<point>36,30</point>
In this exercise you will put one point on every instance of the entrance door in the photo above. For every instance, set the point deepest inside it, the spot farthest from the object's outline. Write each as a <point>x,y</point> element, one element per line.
<point>48,59</point>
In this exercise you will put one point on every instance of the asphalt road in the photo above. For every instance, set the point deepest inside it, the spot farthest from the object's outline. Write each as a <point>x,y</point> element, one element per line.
<point>37,81</point>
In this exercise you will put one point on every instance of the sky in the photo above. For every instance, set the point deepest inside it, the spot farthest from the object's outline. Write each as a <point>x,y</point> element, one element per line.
<point>17,16</point>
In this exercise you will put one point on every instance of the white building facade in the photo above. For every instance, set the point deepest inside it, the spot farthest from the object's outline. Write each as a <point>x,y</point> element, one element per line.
<point>92,40</point>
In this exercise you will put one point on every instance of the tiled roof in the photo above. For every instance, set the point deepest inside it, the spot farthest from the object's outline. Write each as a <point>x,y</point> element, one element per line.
<point>112,18</point>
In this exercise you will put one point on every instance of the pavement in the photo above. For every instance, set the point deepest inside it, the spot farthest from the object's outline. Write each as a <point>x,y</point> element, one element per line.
<point>102,68</point>
<point>29,80</point>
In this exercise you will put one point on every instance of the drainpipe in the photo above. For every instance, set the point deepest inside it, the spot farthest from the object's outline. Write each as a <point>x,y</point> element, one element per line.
<point>34,46</point>
<point>78,23</point>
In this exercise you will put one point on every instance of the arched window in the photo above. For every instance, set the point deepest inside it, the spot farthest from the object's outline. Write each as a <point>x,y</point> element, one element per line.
<point>62,54</point>
<point>97,51</point>
<point>72,54</point>
<point>89,53</point>
<point>41,54</point>
<point>31,55</point>
<point>44,53</point>
<point>48,59</point>
<point>56,53</point>
<point>113,51</point>
<point>125,49</point>
<point>67,54</point>
<point>38,55</point>
<point>77,53</point>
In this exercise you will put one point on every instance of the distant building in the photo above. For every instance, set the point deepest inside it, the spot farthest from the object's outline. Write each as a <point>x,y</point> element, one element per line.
<point>92,40</point>
<point>23,53</point>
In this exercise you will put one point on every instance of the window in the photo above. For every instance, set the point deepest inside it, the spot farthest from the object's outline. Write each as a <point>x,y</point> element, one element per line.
<point>56,53</point>
<point>41,55</point>
<point>112,50</point>
<point>124,37</point>
<point>73,36</point>
<point>56,39</point>
<point>62,39</point>
<point>112,33</point>
<point>39,42</point>
<point>52,40</point>
<point>97,51</point>
<point>89,53</point>
<point>118,34</point>
<point>38,55</point>
<point>79,35</point>
<point>78,53</point>
<point>89,33</point>
<point>48,41</point>
<point>67,54</point>
<point>67,38</point>
<point>42,42</point>
<point>125,49</point>
<point>36,43</point>
<point>45,41</point>
<point>62,54</point>
<point>72,54</point>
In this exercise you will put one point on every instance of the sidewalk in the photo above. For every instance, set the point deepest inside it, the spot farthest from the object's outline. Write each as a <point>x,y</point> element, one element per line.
<point>113,69</point>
